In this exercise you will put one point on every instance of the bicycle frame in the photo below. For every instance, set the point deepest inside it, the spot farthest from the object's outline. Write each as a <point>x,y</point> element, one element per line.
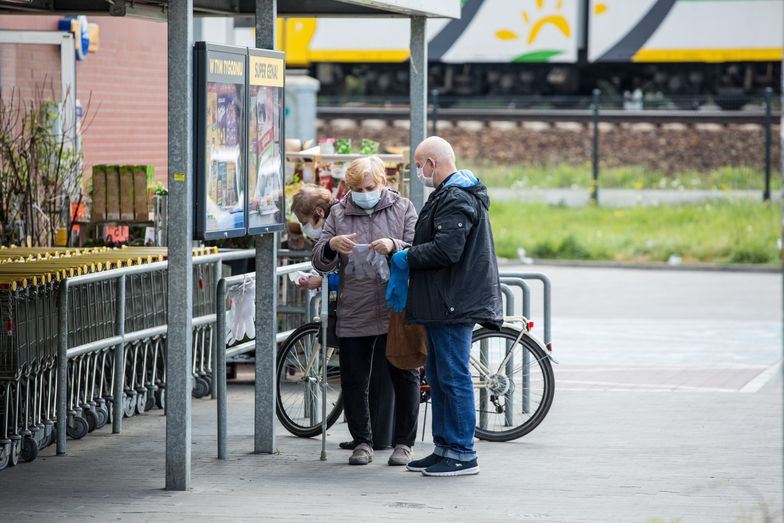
<point>312,361</point>
<point>519,323</point>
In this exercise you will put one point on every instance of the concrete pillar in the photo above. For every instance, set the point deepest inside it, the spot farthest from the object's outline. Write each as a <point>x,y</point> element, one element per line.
<point>418,96</point>
<point>180,228</point>
<point>266,285</point>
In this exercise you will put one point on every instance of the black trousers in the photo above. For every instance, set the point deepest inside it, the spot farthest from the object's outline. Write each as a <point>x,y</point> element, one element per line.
<point>368,380</point>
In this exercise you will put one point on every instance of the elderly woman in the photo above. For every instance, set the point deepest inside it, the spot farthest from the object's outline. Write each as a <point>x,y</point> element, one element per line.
<point>370,217</point>
<point>311,205</point>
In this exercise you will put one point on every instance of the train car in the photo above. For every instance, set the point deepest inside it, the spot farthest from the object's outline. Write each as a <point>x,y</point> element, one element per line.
<point>718,48</point>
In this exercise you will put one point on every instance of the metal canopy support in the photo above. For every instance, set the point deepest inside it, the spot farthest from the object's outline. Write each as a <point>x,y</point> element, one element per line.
<point>418,95</point>
<point>156,9</point>
<point>180,229</point>
<point>781,165</point>
<point>266,286</point>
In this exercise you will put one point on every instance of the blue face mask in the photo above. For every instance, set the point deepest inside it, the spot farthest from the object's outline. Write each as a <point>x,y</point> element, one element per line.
<point>366,200</point>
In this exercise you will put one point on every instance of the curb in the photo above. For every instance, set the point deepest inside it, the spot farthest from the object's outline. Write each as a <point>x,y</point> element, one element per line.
<point>763,269</point>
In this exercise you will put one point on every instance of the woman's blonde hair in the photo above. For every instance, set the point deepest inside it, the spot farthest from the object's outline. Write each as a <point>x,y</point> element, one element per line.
<point>361,167</point>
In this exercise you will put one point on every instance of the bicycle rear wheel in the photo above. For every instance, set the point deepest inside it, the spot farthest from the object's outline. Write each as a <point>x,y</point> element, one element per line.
<point>514,394</point>
<point>299,389</point>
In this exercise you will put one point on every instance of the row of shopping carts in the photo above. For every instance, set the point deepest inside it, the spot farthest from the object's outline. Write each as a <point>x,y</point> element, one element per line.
<point>30,284</point>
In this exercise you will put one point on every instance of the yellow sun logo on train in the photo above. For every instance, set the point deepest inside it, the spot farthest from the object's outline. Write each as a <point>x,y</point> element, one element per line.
<point>545,13</point>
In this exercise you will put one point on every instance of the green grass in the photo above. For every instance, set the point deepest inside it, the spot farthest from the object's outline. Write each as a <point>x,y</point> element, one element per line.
<point>716,232</point>
<point>523,176</point>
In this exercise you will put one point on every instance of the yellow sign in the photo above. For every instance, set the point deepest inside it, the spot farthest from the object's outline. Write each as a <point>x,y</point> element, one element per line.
<point>266,71</point>
<point>179,177</point>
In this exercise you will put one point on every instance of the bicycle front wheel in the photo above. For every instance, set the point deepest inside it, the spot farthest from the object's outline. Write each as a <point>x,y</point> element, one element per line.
<point>300,375</point>
<point>513,384</point>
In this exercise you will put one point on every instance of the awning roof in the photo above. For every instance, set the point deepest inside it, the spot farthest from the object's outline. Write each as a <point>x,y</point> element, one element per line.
<point>300,8</point>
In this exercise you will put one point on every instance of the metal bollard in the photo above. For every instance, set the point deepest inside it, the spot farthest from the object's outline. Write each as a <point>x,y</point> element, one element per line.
<point>547,296</point>
<point>220,370</point>
<point>434,98</point>
<point>768,141</point>
<point>595,148</point>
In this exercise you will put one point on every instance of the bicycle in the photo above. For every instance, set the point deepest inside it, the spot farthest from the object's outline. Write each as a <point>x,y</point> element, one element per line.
<point>511,372</point>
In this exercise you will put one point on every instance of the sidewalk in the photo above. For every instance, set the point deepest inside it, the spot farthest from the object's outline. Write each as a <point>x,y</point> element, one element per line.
<point>624,197</point>
<point>668,407</point>
<point>599,456</point>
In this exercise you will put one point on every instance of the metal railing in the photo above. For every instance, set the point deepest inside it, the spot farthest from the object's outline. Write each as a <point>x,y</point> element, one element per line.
<point>68,349</point>
<point>452,114</point>
<point>222,354</point>
<point>123,336</point>
<point>597,112</point>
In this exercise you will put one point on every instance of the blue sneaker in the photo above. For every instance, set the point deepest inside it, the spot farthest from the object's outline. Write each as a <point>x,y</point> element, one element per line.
<point>452,467</point>
<point>419,465</point>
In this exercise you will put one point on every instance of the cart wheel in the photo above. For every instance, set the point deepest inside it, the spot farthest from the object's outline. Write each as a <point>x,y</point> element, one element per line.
<point>13,458</point>
<point>208,379</point>
<point>150,404</point>
<point>5,453</point>
<point>108,406</point>
<point>39,436</point>
<point>129,404</point>
<point>48,433</point>
<point>77,428</point>
<point>29,449</point>
<point>200,387</point>
<point>160,398</point>
<point>141,401</point>
<point>103,415</point>
<point>53,436</point>
<point>92,419</point>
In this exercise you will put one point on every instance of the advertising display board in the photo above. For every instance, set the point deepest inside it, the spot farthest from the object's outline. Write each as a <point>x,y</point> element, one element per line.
<point>220,137</point>
<point>265,165</point>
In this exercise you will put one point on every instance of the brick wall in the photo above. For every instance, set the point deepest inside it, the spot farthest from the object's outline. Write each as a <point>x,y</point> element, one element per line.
<point>127,80</point>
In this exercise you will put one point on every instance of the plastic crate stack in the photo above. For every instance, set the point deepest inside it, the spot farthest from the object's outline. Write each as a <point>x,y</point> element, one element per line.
<point>29,288</point>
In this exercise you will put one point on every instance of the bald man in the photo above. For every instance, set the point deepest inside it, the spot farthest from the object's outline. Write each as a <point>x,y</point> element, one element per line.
<point>453,285</point>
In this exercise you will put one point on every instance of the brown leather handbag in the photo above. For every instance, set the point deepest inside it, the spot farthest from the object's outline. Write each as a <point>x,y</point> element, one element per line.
<point>406,344</point>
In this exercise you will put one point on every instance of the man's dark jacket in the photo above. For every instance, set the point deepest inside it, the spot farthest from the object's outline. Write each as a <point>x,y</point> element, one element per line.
<point>453,268</point>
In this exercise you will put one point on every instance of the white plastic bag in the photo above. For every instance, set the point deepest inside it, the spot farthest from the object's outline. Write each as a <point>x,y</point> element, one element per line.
<point>367,264</point>
<point>241,317</point>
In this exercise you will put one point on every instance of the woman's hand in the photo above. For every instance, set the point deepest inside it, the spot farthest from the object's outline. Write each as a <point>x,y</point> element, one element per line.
<point>312,281</point>
<point>344,244</point>
<point>383,246</point>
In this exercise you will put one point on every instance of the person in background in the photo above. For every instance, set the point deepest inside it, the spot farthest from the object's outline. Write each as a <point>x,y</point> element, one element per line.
<point>370,218</point>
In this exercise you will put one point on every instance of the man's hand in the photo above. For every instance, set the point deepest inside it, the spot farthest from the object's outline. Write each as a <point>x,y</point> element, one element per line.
<point>312,281</point>
<point>383,246</point>
<point>344,244</point>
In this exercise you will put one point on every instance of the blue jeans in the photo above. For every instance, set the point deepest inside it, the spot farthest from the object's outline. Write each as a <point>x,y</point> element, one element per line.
<point>451,392</point>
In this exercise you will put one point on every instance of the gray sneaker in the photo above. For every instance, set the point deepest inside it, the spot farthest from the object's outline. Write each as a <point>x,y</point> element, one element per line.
<point>362,455</point>
<point>400,456</point>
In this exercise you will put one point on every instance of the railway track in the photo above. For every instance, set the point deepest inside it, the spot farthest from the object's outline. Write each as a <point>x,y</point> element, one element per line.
<point>390,114</point>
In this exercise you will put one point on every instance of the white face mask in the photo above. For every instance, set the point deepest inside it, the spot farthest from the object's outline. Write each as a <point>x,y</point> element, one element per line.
<point>426,181</point>
<point>311,232</point>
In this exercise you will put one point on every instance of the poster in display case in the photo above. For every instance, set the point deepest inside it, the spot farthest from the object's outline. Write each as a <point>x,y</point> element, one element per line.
<point>266,195</point>
<point>220,151</point>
